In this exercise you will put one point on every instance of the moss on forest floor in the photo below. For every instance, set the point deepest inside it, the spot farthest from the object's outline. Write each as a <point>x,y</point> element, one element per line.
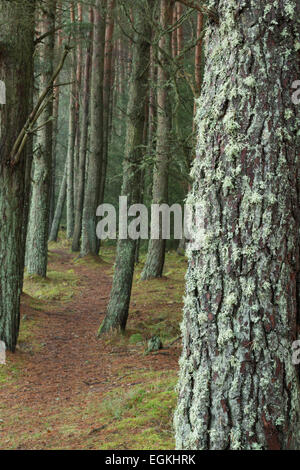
<point>127,400</point>
<point>58,285</point>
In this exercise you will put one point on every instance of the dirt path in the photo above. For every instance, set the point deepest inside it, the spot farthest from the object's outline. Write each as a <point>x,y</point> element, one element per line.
<point>72,367</point>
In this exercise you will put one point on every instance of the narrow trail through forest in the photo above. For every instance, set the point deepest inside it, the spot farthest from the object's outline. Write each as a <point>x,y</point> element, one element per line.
<point>52,387</point>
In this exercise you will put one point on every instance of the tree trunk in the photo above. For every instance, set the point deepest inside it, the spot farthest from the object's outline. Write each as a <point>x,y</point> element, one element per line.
<point>117,310</point>
<point>174,33</point>
<point>89,240</point>
<point>238,388</point>
<point>77,107</point>
<point>38,227</point>
<point>198,82</point>
<point>156,250</point>
<point>180,39</point>
<point>83,143</point>
<point>59,206</point>
<point>16,64</point>
<point>71,141</point>
<point>56,93</point>
<point>107,79</point>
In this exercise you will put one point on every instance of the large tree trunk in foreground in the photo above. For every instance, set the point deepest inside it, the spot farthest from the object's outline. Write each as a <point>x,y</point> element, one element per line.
<point>89,242</point>
<point>238,388</point>
<point>156,250</point>
<point>117,310</point>
<point>38,227</point>
<point>83,143</point>
<point>16,63</point>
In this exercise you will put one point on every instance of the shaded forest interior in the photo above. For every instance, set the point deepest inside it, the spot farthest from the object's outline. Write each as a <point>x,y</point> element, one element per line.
<point>164,104</point>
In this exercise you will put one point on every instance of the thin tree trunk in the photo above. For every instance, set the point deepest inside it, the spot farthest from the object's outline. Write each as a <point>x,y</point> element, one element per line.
<point>59,206</point>
<point>89,242</point>
<point>238,387</point>
<point>180,39</point>
<point>83,143</point>
<point>152,99</point>
<point>174,33</point>
<point>38,227</point>
<point>107,80</point>
<point>151,124</point>
<point>16,65</point>
<point>156,250</point>
<point>56,93</point>
<point>198,82</point>
<point>142,172</point>
<point>78,110</point>
<point>71,140</point>
<point>117,310</point>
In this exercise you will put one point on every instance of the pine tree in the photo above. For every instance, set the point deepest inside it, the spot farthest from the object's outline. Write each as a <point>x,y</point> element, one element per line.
<point>16,66</point>
<point>117,310</point>
<point>238,388</point>
<point>156,250</point>
<point>89,242</point>
<point>38,228</point>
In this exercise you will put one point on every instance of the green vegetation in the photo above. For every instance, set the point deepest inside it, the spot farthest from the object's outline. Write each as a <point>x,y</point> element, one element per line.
<point>57,285</point>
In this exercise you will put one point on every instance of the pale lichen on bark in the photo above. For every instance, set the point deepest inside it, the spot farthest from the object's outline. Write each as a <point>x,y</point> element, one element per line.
<point>238,388</point>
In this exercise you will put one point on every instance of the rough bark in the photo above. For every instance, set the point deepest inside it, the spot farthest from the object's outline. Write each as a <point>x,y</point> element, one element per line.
<point>38,227</point>
<point>16,64</point>
<point>71,140</point>
<point>174,33</point>
<point>238,388</point>
<point>56,93</point>
<point>83,143</point>
<point>180,39</point>
<point>107,81</point>
<point>117,310</point>
<point>156,250</point>
<point>89,241</point>
<point>78,98</point>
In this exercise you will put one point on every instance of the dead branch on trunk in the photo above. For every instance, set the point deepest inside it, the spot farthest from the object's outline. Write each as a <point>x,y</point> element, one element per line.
<point>22,138</point>
<point>211,13</point>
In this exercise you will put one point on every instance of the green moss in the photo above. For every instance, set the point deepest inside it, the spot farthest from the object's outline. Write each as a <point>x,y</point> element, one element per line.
<point>57,285</point>
<point>136,338</point>
<point>89,260</point>
<point>146,410</point>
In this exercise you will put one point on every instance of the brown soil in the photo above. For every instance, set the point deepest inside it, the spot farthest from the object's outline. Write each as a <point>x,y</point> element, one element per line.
<point>72,367</point>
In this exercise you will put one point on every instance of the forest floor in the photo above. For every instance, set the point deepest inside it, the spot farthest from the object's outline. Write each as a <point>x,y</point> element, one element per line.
<point>66,389</point>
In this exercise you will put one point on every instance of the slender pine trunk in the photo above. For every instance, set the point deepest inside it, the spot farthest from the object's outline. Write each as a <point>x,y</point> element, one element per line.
<point>156,250</point>
<point>83,143</point>
<point>107,92</point>
<point>71,140</point>
<point>38,227</point>
<point>59,206</point>
<point>89,242</point>
<point>56,93</point>
<point>117,310</point>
